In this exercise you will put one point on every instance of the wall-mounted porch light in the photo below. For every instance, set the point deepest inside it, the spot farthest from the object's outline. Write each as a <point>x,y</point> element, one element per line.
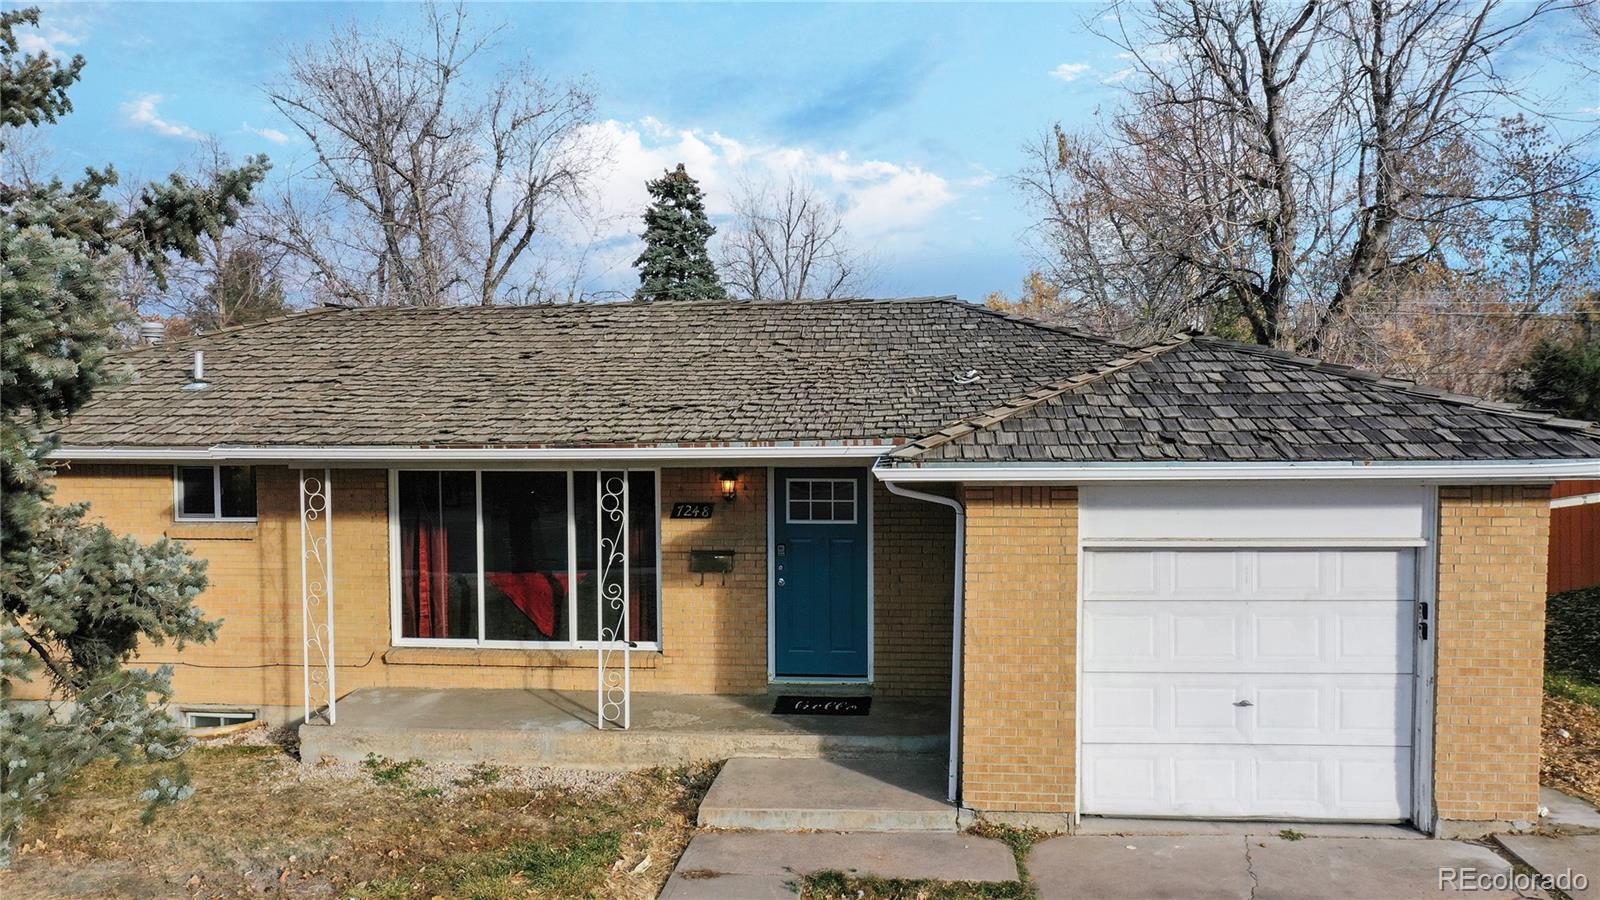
<point>730,484</point>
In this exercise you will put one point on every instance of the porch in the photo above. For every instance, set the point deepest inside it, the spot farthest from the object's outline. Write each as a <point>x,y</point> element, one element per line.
<point>557,728</point>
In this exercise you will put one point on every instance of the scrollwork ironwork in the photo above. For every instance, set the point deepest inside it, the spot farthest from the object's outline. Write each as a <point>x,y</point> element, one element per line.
<point>316,595</point>
<point>614,692</point>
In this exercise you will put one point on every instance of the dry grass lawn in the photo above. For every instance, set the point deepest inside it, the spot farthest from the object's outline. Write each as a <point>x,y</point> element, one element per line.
<point>260,823</point>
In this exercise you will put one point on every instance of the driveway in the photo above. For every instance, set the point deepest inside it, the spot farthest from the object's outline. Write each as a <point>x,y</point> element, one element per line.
<point>1242,867</point>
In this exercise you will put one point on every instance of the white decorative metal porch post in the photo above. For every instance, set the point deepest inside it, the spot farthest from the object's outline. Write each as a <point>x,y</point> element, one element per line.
<point>316,592</point>
<point>613,691</point>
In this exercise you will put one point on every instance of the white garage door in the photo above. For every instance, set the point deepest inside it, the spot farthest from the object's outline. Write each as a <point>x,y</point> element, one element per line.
<point>1248,683</point>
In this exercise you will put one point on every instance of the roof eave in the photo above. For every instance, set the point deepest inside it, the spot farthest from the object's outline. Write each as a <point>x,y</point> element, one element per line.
<point>752,452</point>
<point>1527,471</point>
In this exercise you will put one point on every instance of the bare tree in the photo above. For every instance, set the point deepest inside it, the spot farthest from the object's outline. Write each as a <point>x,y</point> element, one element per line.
<point>433,182</point>
<point>1273,162</point>
<point>789,243</point>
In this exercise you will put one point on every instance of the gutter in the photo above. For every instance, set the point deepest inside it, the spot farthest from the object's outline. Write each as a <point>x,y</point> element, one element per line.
<point>688,453</point>
<point>1529,471</point>
<point>953,776</point>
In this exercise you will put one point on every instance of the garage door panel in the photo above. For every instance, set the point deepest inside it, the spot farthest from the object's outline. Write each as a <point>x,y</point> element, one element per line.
<point>1248,682</point>
<point>1247,636</point>
<point>1155,708</point>
<point>1367,783</point>
<point>1258,574</point>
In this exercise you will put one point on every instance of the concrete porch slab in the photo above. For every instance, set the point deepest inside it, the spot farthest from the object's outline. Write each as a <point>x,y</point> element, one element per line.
<point>557,728</point>
<point>904,794</point>
<point>722,864</point>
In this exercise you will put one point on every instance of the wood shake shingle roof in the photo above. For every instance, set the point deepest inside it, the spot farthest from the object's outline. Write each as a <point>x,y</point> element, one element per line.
<point>584,374</point>
<point>960,382</point>
<point>1202,399</point>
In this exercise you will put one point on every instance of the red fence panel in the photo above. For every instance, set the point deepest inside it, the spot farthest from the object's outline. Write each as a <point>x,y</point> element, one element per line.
<point>1574,538</point>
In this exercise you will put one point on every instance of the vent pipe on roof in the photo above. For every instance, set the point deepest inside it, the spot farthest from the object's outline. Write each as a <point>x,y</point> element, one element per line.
<point>152,332</point>
<point>197,378</point>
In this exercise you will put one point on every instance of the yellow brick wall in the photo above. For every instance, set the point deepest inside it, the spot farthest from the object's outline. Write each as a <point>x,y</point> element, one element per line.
<point>714,634</point>
<point>1492,558</point>
<point>1019,694</point>
<point>913,574</point>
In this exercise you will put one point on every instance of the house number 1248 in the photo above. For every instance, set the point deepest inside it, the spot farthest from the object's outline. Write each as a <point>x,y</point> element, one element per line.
<point>692,510</point>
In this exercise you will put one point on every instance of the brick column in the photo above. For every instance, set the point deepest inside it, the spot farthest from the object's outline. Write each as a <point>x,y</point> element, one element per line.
<point>1018,733</point>
<point>1493,552</point>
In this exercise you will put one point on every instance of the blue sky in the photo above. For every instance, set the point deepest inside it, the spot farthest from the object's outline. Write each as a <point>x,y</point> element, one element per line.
<point>911,116</point>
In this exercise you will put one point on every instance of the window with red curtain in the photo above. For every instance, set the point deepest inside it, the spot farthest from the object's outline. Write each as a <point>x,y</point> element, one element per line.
<point>525,565</point>
<point>438,555</point>
<point>538,566</point>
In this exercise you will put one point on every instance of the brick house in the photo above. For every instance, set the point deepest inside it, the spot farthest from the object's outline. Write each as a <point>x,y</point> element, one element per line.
<point>1195,578</point>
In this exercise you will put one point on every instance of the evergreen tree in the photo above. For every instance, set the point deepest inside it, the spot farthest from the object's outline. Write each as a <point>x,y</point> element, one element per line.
<point>1562,376</point>
<point>77,600</point>
<point>675,264</point>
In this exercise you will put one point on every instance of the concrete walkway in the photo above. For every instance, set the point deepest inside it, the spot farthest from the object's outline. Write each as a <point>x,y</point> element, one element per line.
<point>1567,812</point>
<point>1253,867</point>
<point>755,865</point>
<point>829,795</point>
<point>1561,857</point>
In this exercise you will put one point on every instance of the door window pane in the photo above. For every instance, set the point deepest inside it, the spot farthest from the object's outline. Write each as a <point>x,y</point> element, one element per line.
<point>822,500</point>
<point>525,556</point>
<point>238,492</point>
<point>197,496</point>
<point>438,555</point>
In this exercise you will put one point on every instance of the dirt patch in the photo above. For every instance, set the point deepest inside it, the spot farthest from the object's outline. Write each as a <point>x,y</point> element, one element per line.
<point>1571,738</point>
<point>262,823</point>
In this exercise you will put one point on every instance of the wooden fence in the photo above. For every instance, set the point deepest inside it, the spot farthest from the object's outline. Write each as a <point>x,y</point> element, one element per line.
<point>1574,536</point>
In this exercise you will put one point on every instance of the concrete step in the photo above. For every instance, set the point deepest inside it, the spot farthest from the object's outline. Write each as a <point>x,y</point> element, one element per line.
<point>900,794</point>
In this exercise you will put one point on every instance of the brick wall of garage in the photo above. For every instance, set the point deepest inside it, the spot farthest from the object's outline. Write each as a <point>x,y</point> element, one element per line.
<point>714,629</point>
<point>1492,562</point>
<point>1020,671</point>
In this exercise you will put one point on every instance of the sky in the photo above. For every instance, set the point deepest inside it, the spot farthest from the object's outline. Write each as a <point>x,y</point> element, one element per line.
<point>910,117</point>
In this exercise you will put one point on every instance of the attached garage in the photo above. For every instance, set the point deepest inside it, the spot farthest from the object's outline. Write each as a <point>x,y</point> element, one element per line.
<point>1263,665</point>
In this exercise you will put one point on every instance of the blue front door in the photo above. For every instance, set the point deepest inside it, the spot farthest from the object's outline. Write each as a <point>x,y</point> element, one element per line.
<point>820,573</point>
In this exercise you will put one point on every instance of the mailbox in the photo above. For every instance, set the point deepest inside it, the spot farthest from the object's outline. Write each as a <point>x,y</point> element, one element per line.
<point>703,561</point>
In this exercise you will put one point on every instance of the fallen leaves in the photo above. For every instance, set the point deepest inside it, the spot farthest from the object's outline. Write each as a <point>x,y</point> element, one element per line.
<point>1571,747</point>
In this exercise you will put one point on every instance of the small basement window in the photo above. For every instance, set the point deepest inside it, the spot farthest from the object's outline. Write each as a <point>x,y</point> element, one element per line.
<point>216,493</point>
<point>215,719</point>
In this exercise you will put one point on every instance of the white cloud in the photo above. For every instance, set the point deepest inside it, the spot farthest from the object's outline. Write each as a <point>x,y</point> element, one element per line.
<point>1069,71</point>
<point>46,39</point>
<point>271,134</point>
<point>1120,75</point>
<point>875,197</point>
<point>143,112</point>
<point>882,203</point>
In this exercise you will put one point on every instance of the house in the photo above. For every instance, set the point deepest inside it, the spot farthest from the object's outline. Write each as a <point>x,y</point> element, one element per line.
<point>1194,578</point>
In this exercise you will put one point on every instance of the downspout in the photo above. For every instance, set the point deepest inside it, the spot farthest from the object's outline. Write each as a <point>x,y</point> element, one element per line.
<point>959,602</point>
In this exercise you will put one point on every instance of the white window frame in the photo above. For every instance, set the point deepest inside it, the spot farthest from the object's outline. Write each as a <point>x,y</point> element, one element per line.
<point>216,495</point>
<point>229,717</point>
<point>855,502</point>
<point>397,619</point>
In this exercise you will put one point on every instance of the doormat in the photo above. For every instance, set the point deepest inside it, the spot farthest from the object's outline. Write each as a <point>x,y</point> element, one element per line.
<point>793,705</point>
